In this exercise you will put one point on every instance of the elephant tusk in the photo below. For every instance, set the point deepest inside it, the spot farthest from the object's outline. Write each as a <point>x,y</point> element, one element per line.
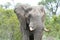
<point>31,29</point>
<point>45,29</point>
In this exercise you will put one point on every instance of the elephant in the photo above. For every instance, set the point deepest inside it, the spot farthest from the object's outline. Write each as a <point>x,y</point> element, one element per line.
<point>31,19</point>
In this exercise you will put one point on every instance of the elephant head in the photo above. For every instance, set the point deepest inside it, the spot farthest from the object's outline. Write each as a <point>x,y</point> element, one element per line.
<point>33,16</point>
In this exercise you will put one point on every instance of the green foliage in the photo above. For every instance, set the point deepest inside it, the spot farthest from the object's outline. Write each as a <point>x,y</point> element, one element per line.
<point>9,25</point>
<point>48,1</point>
<point>51,5</point>
<point>53,24</point>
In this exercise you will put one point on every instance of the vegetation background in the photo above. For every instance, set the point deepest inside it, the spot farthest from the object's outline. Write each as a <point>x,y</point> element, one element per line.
<point>10,26</point>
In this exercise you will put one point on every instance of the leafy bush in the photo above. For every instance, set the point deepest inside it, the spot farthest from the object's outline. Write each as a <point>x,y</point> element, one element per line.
<point>9,25</point>
<point>53,24</point>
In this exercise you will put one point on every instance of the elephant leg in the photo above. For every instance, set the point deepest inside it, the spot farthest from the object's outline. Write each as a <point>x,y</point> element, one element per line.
<point>25,35</point>
<point>38,34</point>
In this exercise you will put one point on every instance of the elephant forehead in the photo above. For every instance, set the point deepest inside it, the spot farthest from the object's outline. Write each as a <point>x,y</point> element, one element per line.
<point>35,20</point>
<point>34,12</point>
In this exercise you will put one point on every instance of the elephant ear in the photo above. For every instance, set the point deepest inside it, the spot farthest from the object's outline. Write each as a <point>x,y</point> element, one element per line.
<point>22,9</point>
<point>42,11</point>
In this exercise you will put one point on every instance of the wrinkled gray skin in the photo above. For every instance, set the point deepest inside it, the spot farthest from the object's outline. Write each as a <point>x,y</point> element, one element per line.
<point>31,17</point>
